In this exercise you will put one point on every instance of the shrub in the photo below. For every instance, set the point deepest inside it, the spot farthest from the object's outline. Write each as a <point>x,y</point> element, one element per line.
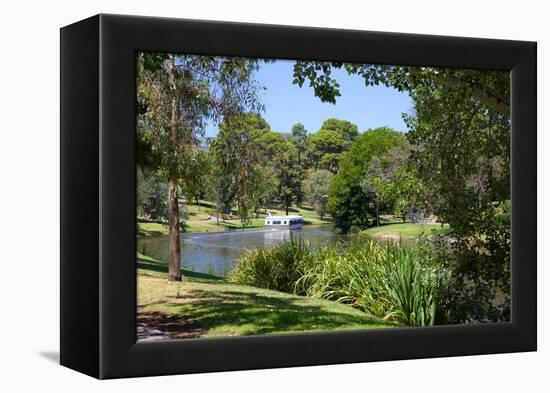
<point>398,284</point>
<point>388,281</point>
<point>276,268</point>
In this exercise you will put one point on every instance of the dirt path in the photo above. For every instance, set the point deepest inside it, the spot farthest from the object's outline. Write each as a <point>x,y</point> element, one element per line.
<point>156,325</point>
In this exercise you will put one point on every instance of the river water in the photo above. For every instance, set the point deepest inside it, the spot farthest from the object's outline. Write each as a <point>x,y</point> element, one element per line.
<point>217,253</point>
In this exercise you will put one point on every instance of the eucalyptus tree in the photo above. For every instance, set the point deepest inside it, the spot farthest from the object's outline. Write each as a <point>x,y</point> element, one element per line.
<point>289,175</point>
<point>237,162</point>
<point>177,96</point>
<point>299,135</point>
<point>317,188</point>
<point>281,154</point>
<point>198,183</point>
<point>299,138</point>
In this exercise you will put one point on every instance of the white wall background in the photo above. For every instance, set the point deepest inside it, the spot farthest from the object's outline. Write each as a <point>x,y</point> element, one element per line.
<point>29,184</point>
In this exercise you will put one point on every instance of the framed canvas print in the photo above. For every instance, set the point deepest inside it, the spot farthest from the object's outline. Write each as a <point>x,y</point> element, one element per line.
<point>239,196</point>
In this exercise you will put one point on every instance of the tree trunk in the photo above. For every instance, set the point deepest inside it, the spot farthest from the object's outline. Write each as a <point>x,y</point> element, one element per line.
<point>174,260</point>
<point>377,215</point>
<point>174,255</point>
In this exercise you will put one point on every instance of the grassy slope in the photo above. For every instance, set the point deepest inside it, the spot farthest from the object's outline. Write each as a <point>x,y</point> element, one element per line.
<point>310,215</point>
<point>151,228</point>
<point>223,309</point>
<point>406,230</point>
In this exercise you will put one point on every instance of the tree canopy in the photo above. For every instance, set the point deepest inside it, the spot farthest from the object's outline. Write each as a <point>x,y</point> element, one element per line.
<point>349,203</point>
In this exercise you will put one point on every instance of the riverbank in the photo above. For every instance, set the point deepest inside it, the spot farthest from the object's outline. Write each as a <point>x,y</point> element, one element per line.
<point>405,230</point>
<point>201,219</point>
<point>203,305</point>
<point>217,253</point>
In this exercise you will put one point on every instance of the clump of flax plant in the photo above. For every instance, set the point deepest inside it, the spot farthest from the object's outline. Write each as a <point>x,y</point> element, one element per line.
<point>399,284</point>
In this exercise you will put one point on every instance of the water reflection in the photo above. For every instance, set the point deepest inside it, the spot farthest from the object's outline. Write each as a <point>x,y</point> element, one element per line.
<point>217,253</point>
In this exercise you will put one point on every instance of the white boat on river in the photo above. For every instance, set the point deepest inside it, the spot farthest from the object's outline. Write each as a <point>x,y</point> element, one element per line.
<point>283,222</point>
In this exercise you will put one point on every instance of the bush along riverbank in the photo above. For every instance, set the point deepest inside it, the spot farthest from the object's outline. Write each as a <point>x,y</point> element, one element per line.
<point>403,285</point>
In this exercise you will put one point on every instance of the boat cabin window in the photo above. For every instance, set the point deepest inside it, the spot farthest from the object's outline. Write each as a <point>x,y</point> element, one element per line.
<point>268,222</point>
<point>284,222</point>
<point>276,222</point>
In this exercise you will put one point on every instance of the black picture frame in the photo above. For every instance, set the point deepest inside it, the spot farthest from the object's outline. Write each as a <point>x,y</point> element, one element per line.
<point>98,243</point>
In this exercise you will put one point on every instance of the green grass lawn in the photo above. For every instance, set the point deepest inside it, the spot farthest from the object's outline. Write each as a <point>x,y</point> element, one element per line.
<point>207,306</point>
<point>151,228</point>
<point>406,229</point>
<point>310,215</point>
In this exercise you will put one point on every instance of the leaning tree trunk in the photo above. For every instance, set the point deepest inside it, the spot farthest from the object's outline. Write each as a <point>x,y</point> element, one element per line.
<point>174,259</point>
<point>174,256</point>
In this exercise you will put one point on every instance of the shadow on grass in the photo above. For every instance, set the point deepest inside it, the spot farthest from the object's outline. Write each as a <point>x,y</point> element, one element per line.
<point>162,268</point>
<point>141,233</point>
<point>249,313</point>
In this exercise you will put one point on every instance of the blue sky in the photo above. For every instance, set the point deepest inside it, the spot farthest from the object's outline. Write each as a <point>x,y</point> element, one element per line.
<point>287,104</point>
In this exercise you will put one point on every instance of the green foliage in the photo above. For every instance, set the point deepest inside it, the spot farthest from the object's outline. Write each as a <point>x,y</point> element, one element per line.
<point>459,170</point>
<point>388,281</point>
<point>392,182</point>
<point>397,284</point>
<point>464,155</point>
<point>197,181</point>
<point>289,175</point>
<point>254,166</point>
<point>324,148</point>
<point>414,289</point>
<point>299,138</point>
<point>274,268</point>
<point>347,130</point>
<point>282,164</point>
<point>454,163</point>
<point>325,87</point>
<point>480,287</point>
<point>177,94</point>
<point>492,88</point>
<point>299,135</point>
<point>151,195</point>
<point>237,159</point>
<point>317,187</point>
<point>402,191</point>
<point>326,141</point>
<point>349,203</point>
